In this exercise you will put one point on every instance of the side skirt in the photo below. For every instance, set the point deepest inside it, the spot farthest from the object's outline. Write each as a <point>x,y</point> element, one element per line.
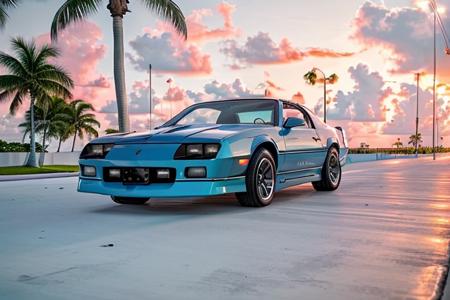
<point>296,177</point>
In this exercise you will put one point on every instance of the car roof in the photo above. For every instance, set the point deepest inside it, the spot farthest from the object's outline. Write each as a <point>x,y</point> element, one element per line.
<point>254,98</point>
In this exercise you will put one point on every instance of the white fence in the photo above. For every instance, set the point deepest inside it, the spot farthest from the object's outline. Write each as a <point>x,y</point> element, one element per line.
<point>10,159</point>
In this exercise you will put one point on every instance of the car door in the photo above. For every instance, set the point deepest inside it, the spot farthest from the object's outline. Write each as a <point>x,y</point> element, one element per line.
<point>303,148</point>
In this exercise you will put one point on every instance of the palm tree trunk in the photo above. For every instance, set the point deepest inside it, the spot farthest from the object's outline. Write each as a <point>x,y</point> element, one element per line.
<point>32,157</point>
<point>119,74</point>
<point>74,138</point>
<point>42,156</point>
<point>59,144</point>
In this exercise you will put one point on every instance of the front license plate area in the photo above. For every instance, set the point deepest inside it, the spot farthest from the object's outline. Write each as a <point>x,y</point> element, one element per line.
<point>136,176</point>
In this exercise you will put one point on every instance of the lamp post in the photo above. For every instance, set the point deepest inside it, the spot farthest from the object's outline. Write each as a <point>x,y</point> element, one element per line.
<point>436,19</point>
<point>324,93</point>
<point>150,97</point>
<point>417,113</point>
<point>433,5</point>
<point>311,78</point>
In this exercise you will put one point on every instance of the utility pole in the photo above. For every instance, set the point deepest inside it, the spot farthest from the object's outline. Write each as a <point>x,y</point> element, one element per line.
<point>434,80</point>
<point>150,88</point>
<point>417,114</point>
<point>325,100</point>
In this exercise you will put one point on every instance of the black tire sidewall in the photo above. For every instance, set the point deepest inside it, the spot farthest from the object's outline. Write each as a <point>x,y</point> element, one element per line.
<point>252,174</point>
<point>326,171</point>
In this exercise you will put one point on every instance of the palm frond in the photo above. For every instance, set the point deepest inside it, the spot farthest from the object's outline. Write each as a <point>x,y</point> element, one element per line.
<point>16,102</point>
<point>54,88</point>
<point>46,52</point>
<point>72,11</point>
<point>55,73</point>
<point>25,52</point>
<point>13,65</point>
<point>170,11</point>
<point>10,82</point>
<point>4,5</point>
<point>9,3</point>
<point>6,95</point>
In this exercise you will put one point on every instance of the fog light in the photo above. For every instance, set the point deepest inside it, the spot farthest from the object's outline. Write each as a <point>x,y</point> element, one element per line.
<point>88,171</point>
<point>114,173</point>
<point>163,174</point>
<point>196,172</point>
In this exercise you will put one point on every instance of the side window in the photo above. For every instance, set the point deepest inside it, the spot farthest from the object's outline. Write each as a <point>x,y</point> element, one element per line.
<point>292,111</point>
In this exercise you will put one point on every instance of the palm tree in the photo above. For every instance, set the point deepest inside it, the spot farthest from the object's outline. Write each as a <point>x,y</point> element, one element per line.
<point>76,10</point>
<point>50,120</point>
<point>31,75</point>
<point>415,140</point>
<point>63,131</point>
<point>398,143</point>
<point>4,6</point>
<point>82,120</point>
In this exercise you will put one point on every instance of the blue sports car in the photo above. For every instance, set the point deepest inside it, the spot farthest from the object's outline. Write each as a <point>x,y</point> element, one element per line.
<point>250,147</point>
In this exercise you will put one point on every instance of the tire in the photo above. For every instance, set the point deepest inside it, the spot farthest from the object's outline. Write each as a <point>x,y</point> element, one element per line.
<point>331,172</point>
<point>130,201</point>
<point>260,180</point>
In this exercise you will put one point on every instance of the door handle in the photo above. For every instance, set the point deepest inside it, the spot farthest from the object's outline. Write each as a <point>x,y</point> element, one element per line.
<point>316,139</point>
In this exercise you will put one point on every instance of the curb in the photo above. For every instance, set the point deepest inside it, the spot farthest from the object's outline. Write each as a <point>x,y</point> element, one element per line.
<point>4,178</point>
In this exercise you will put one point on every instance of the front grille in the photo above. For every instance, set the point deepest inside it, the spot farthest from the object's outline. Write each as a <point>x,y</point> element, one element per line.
<point>137,176</point>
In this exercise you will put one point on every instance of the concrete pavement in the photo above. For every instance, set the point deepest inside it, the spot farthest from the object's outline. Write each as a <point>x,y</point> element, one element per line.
<point>383,235</point>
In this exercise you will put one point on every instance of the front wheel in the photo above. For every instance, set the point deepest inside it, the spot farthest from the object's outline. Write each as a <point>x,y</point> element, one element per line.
<point>260,180</point>
<point>331,172</point>
<point>130,201</point>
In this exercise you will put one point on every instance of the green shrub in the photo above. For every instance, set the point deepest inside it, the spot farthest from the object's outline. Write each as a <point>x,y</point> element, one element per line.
<point>405,150</point>
<point>17,147</point>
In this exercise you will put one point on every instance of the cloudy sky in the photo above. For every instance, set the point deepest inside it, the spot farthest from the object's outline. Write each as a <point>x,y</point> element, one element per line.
<point>240,48</point>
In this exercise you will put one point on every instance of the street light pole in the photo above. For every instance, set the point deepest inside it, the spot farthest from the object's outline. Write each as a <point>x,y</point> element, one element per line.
<point>325,100</point>
<point>434,80</point>
<point>150,97</point>
<point>417,115</point>
<point>324,94</point>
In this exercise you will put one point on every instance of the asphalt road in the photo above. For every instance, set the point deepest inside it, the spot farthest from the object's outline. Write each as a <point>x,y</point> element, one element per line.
<point>383,235</point>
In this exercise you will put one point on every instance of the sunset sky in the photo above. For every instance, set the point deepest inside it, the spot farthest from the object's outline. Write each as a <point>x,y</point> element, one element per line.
<point>239,48</point>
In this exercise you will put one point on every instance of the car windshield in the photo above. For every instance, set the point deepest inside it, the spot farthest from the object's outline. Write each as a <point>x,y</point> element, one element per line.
<point>228,112</point>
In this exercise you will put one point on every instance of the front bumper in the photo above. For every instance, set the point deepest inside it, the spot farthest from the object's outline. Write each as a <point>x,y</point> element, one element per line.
<point>224,174</point>
<point>180,188</point>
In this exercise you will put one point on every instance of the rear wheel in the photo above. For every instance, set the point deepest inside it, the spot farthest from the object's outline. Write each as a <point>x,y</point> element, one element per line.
<point>130,201</point>
<point>260,180</point>
<point>331,172</point>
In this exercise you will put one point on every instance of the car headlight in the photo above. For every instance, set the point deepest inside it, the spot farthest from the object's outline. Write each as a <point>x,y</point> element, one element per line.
<point>96,151</point>
<point>197,151</point>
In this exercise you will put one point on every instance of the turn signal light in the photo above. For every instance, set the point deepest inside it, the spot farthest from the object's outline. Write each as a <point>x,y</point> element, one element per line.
<point>244,162</point>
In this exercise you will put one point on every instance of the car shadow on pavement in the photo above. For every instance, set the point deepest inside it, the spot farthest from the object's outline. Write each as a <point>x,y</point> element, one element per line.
<point>177,206</point>
<point>202,206</point>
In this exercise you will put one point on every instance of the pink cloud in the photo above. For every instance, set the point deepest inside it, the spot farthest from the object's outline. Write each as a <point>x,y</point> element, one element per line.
<point>367,100</point>
<point>167,55</point>
<point>261,49</point>
<point>170,54</point>
<point>298,98</point>
<point>82,50</point>
<point>404,36</point>
<point>198,31</point>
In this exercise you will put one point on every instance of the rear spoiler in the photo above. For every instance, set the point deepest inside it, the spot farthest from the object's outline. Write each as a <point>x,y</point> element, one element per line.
<point>344,150</point>
<point>343,135</point>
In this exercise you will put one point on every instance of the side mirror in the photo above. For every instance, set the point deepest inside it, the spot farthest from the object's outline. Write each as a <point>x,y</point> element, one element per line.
<point>292,122</point>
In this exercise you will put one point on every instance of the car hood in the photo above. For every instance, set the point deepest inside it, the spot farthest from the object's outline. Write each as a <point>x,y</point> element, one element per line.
<point>179,134</point>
